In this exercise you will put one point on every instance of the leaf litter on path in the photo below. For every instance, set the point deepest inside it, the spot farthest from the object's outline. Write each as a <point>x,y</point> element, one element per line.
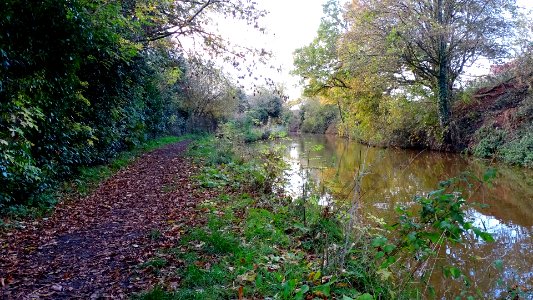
<point>91,248</point>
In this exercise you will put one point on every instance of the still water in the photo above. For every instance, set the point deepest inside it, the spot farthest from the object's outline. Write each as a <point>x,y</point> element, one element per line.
<point>395,176</point>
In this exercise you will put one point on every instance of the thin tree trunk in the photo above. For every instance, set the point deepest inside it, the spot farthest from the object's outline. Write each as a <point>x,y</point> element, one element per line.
<point>442,80</point>
<point>340,111</point>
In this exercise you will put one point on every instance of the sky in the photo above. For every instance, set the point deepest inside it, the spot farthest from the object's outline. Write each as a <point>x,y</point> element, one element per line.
<point>292,24</point>
<point>291,27</point>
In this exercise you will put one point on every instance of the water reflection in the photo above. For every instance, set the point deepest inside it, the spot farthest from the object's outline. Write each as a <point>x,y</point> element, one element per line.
<point>395,176</point>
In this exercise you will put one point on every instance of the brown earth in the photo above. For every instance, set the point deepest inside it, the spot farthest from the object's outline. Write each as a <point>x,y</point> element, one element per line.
<point>95,247</point>
<point>497,106</point>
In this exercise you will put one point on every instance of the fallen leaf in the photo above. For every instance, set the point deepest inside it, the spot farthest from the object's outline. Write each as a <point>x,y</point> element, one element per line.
<point>57,288</point>
<point>241,292</point>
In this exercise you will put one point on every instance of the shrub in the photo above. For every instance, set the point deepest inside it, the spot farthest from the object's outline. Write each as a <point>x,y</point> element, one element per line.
<point>489,140</point>
<point>316,118</point>
<point>519,151</point>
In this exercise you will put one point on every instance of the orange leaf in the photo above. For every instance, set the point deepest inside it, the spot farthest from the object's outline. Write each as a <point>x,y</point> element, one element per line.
<point>241,292</point>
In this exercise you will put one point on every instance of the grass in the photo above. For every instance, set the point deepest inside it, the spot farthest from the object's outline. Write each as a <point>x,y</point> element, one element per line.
<point>255,243</point>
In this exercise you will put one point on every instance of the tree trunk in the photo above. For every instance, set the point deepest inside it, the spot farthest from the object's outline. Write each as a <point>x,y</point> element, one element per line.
<point>443,93</point>
<point>442,80</point>
<point>340,111</point>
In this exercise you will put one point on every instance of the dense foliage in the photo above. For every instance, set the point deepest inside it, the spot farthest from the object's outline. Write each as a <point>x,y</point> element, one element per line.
<point>82,80</point>
<point>393,69</point>
<point>317,118</point>
<point>260,116</point>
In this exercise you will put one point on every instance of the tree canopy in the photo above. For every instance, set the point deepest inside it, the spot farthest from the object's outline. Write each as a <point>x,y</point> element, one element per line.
<point>81,80</point>
<point>374,59</point>
<point>432,40</point>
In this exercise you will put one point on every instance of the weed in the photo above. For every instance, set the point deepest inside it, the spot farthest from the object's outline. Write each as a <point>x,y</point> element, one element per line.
<point>155,265</point>
<point>155,234</point>
<point>217,242</point>
<point>258,244</point>
<point>489,140</point>
<point>157,293</point>
<point>519,151</point>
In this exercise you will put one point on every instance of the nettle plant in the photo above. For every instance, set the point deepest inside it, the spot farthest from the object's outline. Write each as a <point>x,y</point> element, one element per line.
<point>425,227</point>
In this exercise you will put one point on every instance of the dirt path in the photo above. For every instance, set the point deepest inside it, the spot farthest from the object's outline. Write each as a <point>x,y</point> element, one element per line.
<point>92,248</point>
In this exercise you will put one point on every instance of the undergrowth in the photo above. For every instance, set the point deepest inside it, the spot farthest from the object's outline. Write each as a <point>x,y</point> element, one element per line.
<point>254,243</point>
<point>513,148</point>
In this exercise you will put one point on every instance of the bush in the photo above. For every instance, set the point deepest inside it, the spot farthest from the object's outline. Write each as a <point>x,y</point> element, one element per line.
<point>489,140</point>
<point>76,97</point>
<point>317,118</point>
<point>519,151</point>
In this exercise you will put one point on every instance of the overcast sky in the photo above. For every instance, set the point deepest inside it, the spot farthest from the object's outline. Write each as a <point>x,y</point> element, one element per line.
<point>291,24</point>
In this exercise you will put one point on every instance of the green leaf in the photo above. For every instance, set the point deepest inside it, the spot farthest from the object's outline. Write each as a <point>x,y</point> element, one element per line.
<point>365,296</point>
<point>379,241</point>
<point>431,292</point>
<point>455,272</point>
<point>389,261</point>
<point>317,275</point>
<point>487,237</point>
<point>433,236</point>
<point>467,225</point>
<point>444,225</point>
<point>489,175</point>
<point>300,294</point>
<point>389,248</point>
<point>324,288</point>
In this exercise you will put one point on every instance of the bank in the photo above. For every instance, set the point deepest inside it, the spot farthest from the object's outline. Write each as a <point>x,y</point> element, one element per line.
<point>491,119</point>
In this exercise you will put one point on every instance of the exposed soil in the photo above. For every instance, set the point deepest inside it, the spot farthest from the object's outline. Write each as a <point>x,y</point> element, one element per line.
<point>495,106</point>
<point>94,247</point>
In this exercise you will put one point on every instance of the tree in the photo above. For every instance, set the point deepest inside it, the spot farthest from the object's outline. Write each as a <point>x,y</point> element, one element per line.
<point>433,40</point>
<point>191,22</point>
<point>265,104</point>
<point>338,79</point>
<point>209,95</point>
<point>81,80</point>
<point>318,63</point>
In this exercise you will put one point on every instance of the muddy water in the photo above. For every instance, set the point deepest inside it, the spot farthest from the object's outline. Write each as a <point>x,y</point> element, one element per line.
<point>395,176</point>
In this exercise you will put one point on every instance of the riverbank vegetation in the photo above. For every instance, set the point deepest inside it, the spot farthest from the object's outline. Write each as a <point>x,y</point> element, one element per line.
<point>257,242</point>
<point>395,71</point>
